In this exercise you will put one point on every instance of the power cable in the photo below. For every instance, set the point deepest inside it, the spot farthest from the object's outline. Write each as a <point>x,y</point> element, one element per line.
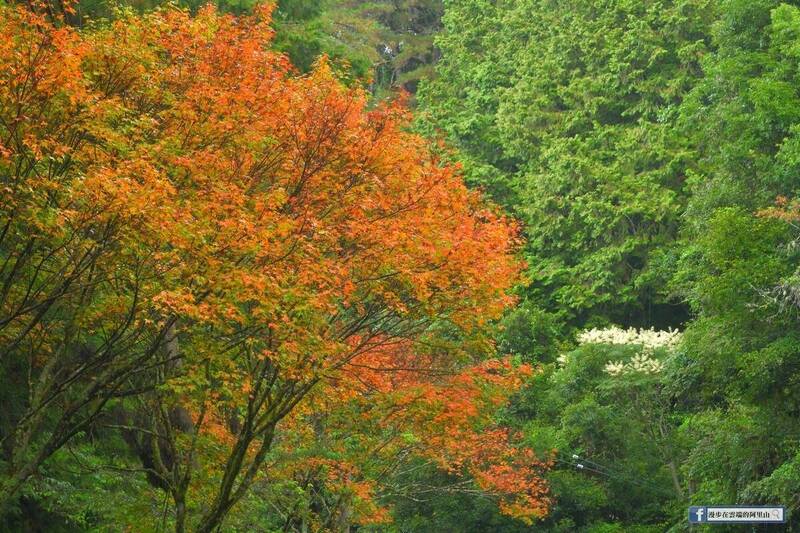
<point>585,464</point>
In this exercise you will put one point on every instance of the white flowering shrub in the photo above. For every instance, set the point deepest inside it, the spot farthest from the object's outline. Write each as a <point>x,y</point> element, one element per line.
<point>648,340</point>
<point>641,364</point>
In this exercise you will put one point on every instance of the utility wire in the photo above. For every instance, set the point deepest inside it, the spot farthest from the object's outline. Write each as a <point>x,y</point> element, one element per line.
<point>582,463</point>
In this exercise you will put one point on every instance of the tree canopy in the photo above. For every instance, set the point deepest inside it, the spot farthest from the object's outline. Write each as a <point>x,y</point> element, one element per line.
<point>392,266</point>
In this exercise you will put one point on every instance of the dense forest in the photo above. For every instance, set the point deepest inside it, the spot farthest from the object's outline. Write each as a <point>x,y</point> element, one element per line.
<point>398,265</point>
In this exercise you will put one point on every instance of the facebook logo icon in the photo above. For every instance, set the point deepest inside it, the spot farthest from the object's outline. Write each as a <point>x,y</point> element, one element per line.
<point>697,515</point>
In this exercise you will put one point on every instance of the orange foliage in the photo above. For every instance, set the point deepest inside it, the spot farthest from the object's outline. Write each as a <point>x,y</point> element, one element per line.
<point>316,258</point>
<point>447,418</point>
<point>784,209</point>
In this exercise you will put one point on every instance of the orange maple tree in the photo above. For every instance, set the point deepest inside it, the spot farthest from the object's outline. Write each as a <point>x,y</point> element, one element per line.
<point>243,251</point>
<point>408,413</point>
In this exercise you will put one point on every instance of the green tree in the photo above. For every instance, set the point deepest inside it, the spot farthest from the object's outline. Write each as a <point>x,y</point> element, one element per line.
<point>738,265</point>
<point>566,113</point>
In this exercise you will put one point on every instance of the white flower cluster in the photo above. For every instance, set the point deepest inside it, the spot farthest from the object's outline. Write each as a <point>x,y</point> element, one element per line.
<point>641,364</point>
<point>647,339</point>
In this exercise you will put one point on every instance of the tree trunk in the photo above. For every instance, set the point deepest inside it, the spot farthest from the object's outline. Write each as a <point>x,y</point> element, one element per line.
<point>180,515</point>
